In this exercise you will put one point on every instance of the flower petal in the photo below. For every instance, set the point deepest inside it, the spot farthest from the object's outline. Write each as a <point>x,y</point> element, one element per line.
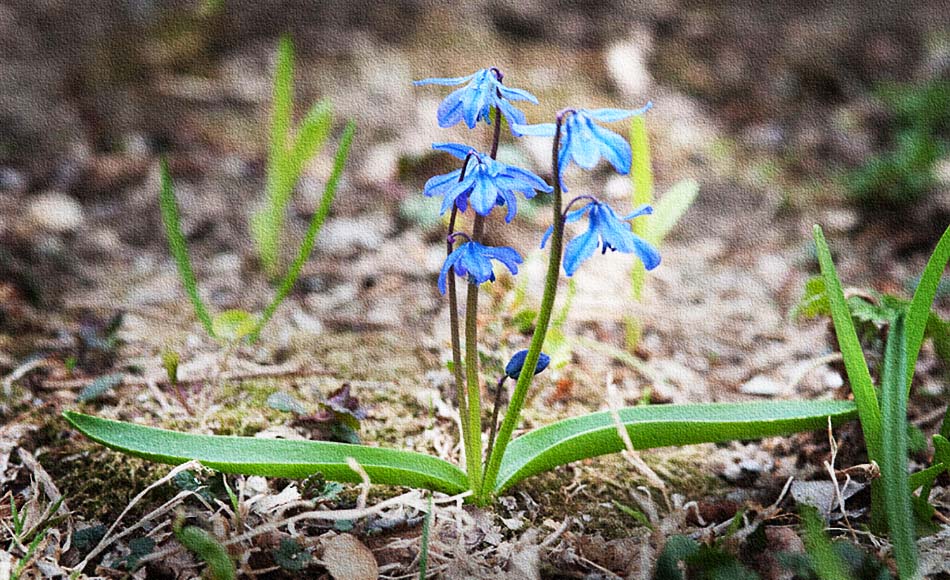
<point>444,81</point>
<point>450,261</point>
<point>614,148</point>
<point>613,115</point>
<point>647,253</point>
<point>578,250</point>
<point>539,130</point>
<point>642,210</point>
<point>456,149</point>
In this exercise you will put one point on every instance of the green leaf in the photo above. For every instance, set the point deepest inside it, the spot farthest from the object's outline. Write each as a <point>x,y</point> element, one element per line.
<point>316,222</point>
<point>209,549</point>
<point>312,133</point>
<point>660,426</point>
<point>669,209</point>
<point>274,457</point>
<point>677,549</point>
<point>99,387</point>
<point>893,461</point>
<point>178,246</point>
<point>291,556</point>
<point>233,325</point>
<point>857,369</point>
<point>825,560</point>
<point>919,311</point>
<point>814,300</point>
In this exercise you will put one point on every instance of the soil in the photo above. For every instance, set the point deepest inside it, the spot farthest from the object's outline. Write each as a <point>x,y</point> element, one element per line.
<point>765,106</point>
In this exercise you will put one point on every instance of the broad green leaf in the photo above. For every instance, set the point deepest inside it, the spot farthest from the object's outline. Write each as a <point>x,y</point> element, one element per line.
<point>233,325</point>
<point>857,369</point>
<point>670,209</point>
<point>316,222</point>
<point>274,457</point>
<point>919,312</point>
<point>814,300</point>
<point>660,426</point>
<point>178,246</point>
<point>893,461</point>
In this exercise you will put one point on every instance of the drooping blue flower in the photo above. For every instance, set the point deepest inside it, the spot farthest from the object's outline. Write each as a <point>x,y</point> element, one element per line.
<point>473,102</point>
<point>585,142</point>
<point>607,231</point>
<point>487,183</point>
<point>514,366</point>
<point>473,261</point>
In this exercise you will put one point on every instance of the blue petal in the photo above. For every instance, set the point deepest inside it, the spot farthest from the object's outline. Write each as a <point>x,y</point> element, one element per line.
<point>614,148</point>
<point>642,210</point>
<point>578,250</point>
<point>450,261</point>
<point>457,149</point>
<point>547,234</point>
<point>612,115</point>
<point>529,178</point>
<point>507,256</point>
<point>539,130</point>
<point>452,109</point>
<point>444,81</point>
<point>476,263</point>
<point>513,94</point>
<point>439,184</point>
<point>483,195</point>
<point>514,366</point>
<point>613,232</point>
<point>647,253</point>
<point>583,146</point>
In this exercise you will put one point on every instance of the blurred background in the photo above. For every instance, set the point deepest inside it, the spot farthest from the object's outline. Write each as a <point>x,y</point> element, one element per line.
<point>787,113</point>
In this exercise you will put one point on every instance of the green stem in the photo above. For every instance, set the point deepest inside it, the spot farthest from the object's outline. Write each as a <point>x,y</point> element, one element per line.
<point>473,453</point>
<point>454,326</point>
<point>513,413</point>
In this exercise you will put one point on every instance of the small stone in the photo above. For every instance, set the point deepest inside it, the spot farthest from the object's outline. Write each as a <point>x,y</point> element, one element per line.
<point>56,212</point>
<point>762,386</point>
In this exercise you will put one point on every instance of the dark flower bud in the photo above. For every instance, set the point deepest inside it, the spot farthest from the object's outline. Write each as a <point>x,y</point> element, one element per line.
<point>513,368</point>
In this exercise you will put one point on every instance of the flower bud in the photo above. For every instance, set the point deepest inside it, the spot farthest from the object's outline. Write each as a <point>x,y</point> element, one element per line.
<point>513,368</point>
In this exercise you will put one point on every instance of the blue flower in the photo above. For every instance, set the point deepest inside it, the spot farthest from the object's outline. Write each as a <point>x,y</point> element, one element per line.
<point>585,142</point>
<point>474,101</point>
<point>473,260</point>
<point>608,232</point>
<point>487,183</point>
<point>514,366</point>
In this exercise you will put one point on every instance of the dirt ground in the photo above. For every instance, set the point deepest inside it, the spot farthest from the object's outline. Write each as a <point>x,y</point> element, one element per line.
<point>764,105</point>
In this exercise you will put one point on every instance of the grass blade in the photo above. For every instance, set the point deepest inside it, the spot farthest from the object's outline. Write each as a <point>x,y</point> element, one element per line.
<point>668,210</point>
<point>660,426</point>
<point>919,310</point>
<point>178,246</point>
<point>274,457</point>
<point>316,222</point>
<point>311,135</point>
<point>860,378</point>
<point>424,542</point>
<point>893,460</point>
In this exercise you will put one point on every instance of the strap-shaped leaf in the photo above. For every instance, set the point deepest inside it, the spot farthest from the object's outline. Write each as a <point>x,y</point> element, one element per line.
<point>661,426</point>
<point>274,457</point>
<point>919,310</point>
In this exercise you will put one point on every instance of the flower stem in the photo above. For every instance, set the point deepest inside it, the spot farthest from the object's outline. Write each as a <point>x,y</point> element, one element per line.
<point>473,450</point>
<point>513,413</point>
<point>494,415</point>
<point>456,340</point>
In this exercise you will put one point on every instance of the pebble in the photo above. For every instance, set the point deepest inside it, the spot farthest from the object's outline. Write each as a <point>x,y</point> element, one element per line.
<point>763,386</point>
<point>55,212</point>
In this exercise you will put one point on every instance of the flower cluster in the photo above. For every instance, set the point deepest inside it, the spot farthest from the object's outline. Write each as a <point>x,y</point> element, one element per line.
<point>484,183</point>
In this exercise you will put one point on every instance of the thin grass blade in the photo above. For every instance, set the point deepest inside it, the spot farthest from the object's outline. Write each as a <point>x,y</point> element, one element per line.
<point>893,461</point>
<point>661,426</point>
<point>316,222</point>
<point>668,210</point>
<point>179,247</point>
<point>311,135</point>
<point>919,310</point>
<point>274,457</point>
<point>857,369</point>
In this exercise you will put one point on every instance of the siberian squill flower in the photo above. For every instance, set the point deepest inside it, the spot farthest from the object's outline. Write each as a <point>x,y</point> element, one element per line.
<point>473,102</point>
<point>514,366</point>
<point>473,261</point>
<point>584,141</point>
<point>486,183</point>
<point>607,231</point>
